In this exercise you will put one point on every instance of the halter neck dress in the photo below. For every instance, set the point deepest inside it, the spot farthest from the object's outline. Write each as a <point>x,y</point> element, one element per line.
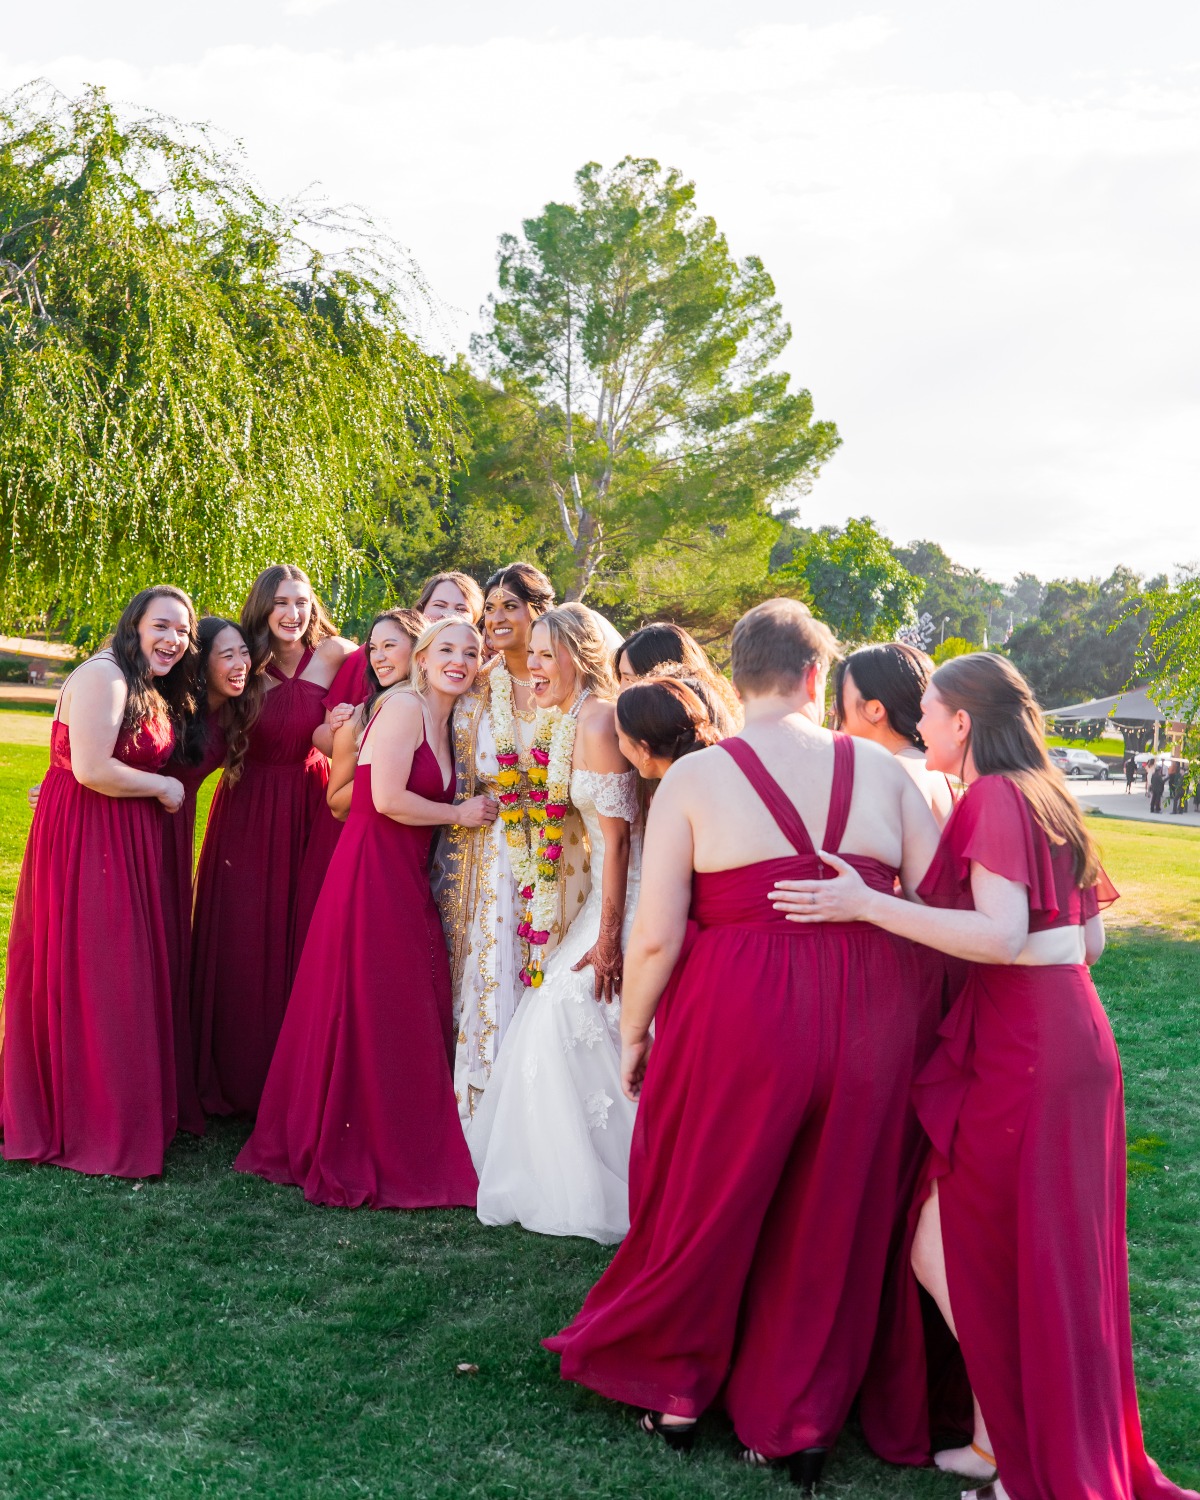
<point>359,1107</point>
<point>89,1067</point>
<point>767,1153</point>
<point>349,686</point>
<point>243,936</point>
<point>179,837</point>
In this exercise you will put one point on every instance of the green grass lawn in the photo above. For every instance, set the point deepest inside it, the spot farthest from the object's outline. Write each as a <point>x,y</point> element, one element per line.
<point>210,1335</point>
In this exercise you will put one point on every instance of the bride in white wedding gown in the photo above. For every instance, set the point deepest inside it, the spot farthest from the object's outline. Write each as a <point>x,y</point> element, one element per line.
<point>551,1136</point>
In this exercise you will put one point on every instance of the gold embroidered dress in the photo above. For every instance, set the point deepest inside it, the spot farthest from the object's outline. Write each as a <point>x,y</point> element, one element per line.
<point>481,908</point>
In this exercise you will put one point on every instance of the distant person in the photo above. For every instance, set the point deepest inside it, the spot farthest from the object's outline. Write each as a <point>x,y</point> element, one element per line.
<point>1130,772</point>
<point>1175,784</point>
<point>1157,782</point>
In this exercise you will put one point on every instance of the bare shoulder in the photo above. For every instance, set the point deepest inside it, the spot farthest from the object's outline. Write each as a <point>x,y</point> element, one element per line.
<point>400,715</point>
<point>334,649</point>
<point>697,774</point>
<point>884,768</point>
<point>598,720</point>
<point>596,738</point>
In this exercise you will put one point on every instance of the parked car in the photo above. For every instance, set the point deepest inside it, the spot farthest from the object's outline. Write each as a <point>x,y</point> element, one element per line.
<point>1082,764</point>
<point>1058,756</point>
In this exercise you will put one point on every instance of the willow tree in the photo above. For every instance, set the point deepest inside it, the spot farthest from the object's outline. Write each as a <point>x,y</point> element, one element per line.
<point>194,381</point>
<point>651,356</point>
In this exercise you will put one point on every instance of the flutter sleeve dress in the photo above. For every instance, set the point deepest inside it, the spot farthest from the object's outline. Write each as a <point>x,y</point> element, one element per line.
<point>1023,1105</point>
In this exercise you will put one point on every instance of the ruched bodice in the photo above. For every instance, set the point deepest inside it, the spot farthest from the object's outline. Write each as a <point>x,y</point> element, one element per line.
<point>146,748</point>
<point>741,897</point>
<point>282,735</point>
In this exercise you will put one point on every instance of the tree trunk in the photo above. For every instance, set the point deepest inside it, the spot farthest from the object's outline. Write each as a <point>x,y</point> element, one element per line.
<point>589,550</point>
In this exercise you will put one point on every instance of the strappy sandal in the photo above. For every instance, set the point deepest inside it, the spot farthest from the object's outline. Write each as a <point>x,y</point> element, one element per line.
<point>989,1459</point>
<point>677,1435</point>
<point>804,1468</point>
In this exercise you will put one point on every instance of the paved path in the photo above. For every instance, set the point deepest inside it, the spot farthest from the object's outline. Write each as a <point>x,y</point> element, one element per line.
<point>1109,798</point>
<point>22,692</point>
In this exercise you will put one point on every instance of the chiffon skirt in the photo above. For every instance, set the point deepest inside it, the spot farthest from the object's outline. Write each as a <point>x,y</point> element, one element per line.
<point>89,1065</point>
<point>1024,1105</point>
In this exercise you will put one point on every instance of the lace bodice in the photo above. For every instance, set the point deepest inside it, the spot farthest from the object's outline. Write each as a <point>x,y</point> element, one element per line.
<point>604,794</point>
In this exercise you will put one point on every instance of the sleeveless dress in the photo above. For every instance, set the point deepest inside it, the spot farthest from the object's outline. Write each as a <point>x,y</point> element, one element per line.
<point>766,1156</point>
<point>89,1067</point>
<point>179,836</point>
<point>243,933</point>
<point>359,1105</point>
<point>1024,1107</point>
<point>551,1137</point>
<point>349,686</point>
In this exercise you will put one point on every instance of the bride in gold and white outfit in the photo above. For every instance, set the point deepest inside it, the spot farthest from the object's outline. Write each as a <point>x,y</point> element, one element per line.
<point>474,881</point>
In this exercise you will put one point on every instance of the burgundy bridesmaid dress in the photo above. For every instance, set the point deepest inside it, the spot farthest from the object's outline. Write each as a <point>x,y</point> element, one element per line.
<point>89,1067</point>
<point>179,834</point>
<point>349,686</point>
<point>766,1158</point>
<point>1024,1106</point>
<point>359,1107</point>
<point>243,930</point>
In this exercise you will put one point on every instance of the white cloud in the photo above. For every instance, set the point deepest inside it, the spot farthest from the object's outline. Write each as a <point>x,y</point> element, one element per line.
<point>992,290</point>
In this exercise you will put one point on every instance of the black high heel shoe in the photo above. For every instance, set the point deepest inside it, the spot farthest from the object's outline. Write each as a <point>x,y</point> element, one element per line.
<point>804,1468</point>
<point>678,1436</point>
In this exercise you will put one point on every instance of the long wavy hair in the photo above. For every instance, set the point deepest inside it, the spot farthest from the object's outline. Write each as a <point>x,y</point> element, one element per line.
<point>235,716</point>
<point>573,627</point>
<point>172,696</point>
<point>1006,739</point>
<point>663,643</point>
<point>260,601</point>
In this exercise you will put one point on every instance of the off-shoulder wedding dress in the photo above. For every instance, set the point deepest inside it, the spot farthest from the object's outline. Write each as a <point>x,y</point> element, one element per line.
<point>550,1138</point>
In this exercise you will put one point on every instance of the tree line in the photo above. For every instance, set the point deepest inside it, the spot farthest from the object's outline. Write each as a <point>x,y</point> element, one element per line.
<point>197,381</point>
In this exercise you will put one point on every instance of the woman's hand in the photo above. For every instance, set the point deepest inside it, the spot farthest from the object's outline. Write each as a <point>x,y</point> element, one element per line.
<point>476,812</point>
<point>633,1066</point>
<point>32,795</point>
<point>340,714</point>
<point>170,794</point>
<point>846,898</point>
<point>605,956</point>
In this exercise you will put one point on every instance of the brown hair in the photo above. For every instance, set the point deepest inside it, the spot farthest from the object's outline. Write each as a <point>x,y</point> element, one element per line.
<point>667,716</point>
<point>260,601</point>
<point>775,644</point>
<point>466,586</point>
<point>1006,739</point>
<point>528,583</point>
<point>574,627</point>
<point>893,674</point>
<point>663,643</point>
<point>172,696</point>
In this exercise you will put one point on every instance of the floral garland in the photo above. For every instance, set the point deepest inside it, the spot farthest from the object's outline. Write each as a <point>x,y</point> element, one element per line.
<point>518,834</point>
<point>549,793</point>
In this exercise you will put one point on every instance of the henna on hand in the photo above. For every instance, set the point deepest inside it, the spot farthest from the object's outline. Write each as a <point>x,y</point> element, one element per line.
<point>605,957</point>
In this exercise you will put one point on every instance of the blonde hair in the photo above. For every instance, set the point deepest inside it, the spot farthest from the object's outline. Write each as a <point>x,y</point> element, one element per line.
<point>573,627</point>
<point>416,681</point>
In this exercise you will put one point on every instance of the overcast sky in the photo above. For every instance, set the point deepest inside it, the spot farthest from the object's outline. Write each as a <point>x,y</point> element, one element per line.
<point>983,222</point>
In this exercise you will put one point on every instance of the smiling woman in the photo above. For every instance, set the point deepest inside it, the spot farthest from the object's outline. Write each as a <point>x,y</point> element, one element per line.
<point>89,1073</point>
<point>254,856</point>
<point>358,1108</point>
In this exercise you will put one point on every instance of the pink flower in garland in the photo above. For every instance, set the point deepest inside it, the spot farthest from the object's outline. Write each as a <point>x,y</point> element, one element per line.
<point>540,757</point>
